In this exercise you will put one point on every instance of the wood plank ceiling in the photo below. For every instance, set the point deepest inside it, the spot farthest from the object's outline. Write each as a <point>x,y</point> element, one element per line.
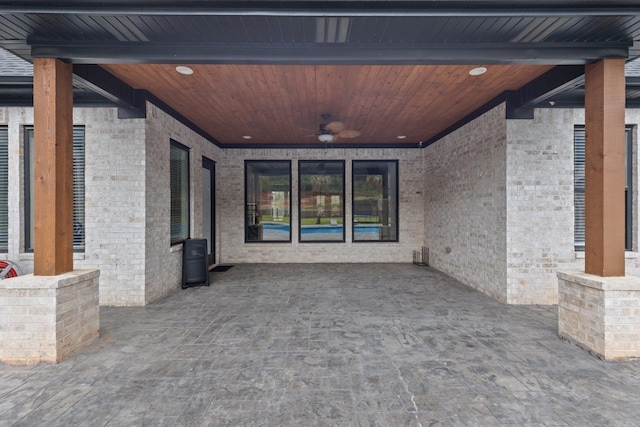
<point>283,104</point>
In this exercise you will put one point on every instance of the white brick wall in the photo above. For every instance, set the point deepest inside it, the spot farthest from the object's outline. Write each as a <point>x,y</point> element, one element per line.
<point>500,196</point>
<point>163,264</point>
<point>465,210</point>
<point>45,319</point>
<point>231,210</point>
<point>493,201</point>
<point>114,204</point>
<point>114,200</point>
<point>539,205</point>
<point>600,314</point>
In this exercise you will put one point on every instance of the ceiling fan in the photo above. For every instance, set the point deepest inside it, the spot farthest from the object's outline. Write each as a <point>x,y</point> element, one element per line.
<point>329,131</point>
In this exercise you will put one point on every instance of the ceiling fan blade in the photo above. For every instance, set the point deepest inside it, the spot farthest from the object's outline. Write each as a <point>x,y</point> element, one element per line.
<point>349,133</point>
<point>335,127</point>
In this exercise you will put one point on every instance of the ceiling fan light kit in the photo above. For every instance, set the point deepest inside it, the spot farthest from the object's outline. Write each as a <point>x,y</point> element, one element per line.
<point>332,130</point>
<point>325,137</point>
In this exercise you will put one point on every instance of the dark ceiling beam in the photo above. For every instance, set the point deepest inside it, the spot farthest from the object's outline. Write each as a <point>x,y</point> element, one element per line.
<point>17,81</point>
<point>574,98</point>
<point>263,53</point>
<point>477,8</point>
<point>520,103</point>
<point>131,102</point>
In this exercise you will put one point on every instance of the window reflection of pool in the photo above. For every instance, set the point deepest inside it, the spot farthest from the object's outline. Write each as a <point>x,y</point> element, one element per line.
<point>279,231</point>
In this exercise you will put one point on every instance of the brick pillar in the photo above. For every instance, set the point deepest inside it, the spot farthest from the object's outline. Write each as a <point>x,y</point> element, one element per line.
<point>53,166</point>
<point>604,168</point>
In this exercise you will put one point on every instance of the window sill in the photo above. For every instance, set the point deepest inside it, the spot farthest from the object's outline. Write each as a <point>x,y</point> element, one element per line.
<point>28,256</point>
<point>627,255</point>
<point>176,248</point>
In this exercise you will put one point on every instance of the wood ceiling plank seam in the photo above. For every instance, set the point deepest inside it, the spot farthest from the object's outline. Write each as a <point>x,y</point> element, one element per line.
<point>231,108</point>
<point>411,116</point>
<point>374,103</point>
<point>510,79</point>
<point>201,91</point>
<point>266,110</point>
<point>338,108</point>
<point>417,112</point>
<point>309,118</point>
<point>274,99</point>
<point>300,115</point>
<point>354,100</point>
<point>464,93</point>
<point>282,93</point>
<point>379,104</point>
<point>216,109</point>
<point>309,123</point>
<point>319,88</point>
<point>391,123</point>
<point>344,113</point>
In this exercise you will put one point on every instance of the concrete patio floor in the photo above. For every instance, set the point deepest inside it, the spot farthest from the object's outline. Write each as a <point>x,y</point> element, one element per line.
<point>321,345</point>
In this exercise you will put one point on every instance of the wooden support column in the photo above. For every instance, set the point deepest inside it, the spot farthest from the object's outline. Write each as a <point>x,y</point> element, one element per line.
<point>53,167</point>
<point>604,168</point>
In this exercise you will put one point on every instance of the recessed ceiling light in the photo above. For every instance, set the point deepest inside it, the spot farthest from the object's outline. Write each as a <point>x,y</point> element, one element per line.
<point>184,70</point>
<point>401,136</point>
<point>247,137</point>
<point>477,71</point>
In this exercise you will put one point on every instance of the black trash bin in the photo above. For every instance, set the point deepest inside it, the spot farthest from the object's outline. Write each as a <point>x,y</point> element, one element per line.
<point>195,270</point>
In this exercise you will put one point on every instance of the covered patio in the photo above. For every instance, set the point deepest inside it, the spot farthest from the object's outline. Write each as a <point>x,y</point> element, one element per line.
<point>325,344</point>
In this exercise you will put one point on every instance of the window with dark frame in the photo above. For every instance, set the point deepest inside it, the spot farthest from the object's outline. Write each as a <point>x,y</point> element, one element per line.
<point>4,189</point>
<point>579,188</point>
<point>321,200</point>
<point>267,201</point>
<point>375,200</point>
<point>179,183</point>
<point>78,188</point>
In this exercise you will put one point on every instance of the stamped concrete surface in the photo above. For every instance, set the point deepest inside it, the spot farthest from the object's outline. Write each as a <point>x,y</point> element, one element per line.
<point>322,345</point>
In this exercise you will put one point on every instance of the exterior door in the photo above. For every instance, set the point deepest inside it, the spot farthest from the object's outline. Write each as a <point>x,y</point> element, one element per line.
<point>208,207</point>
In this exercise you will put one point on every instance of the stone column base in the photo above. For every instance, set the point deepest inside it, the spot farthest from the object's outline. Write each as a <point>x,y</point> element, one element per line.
<point>44,319</point>
<point>600,314</point>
